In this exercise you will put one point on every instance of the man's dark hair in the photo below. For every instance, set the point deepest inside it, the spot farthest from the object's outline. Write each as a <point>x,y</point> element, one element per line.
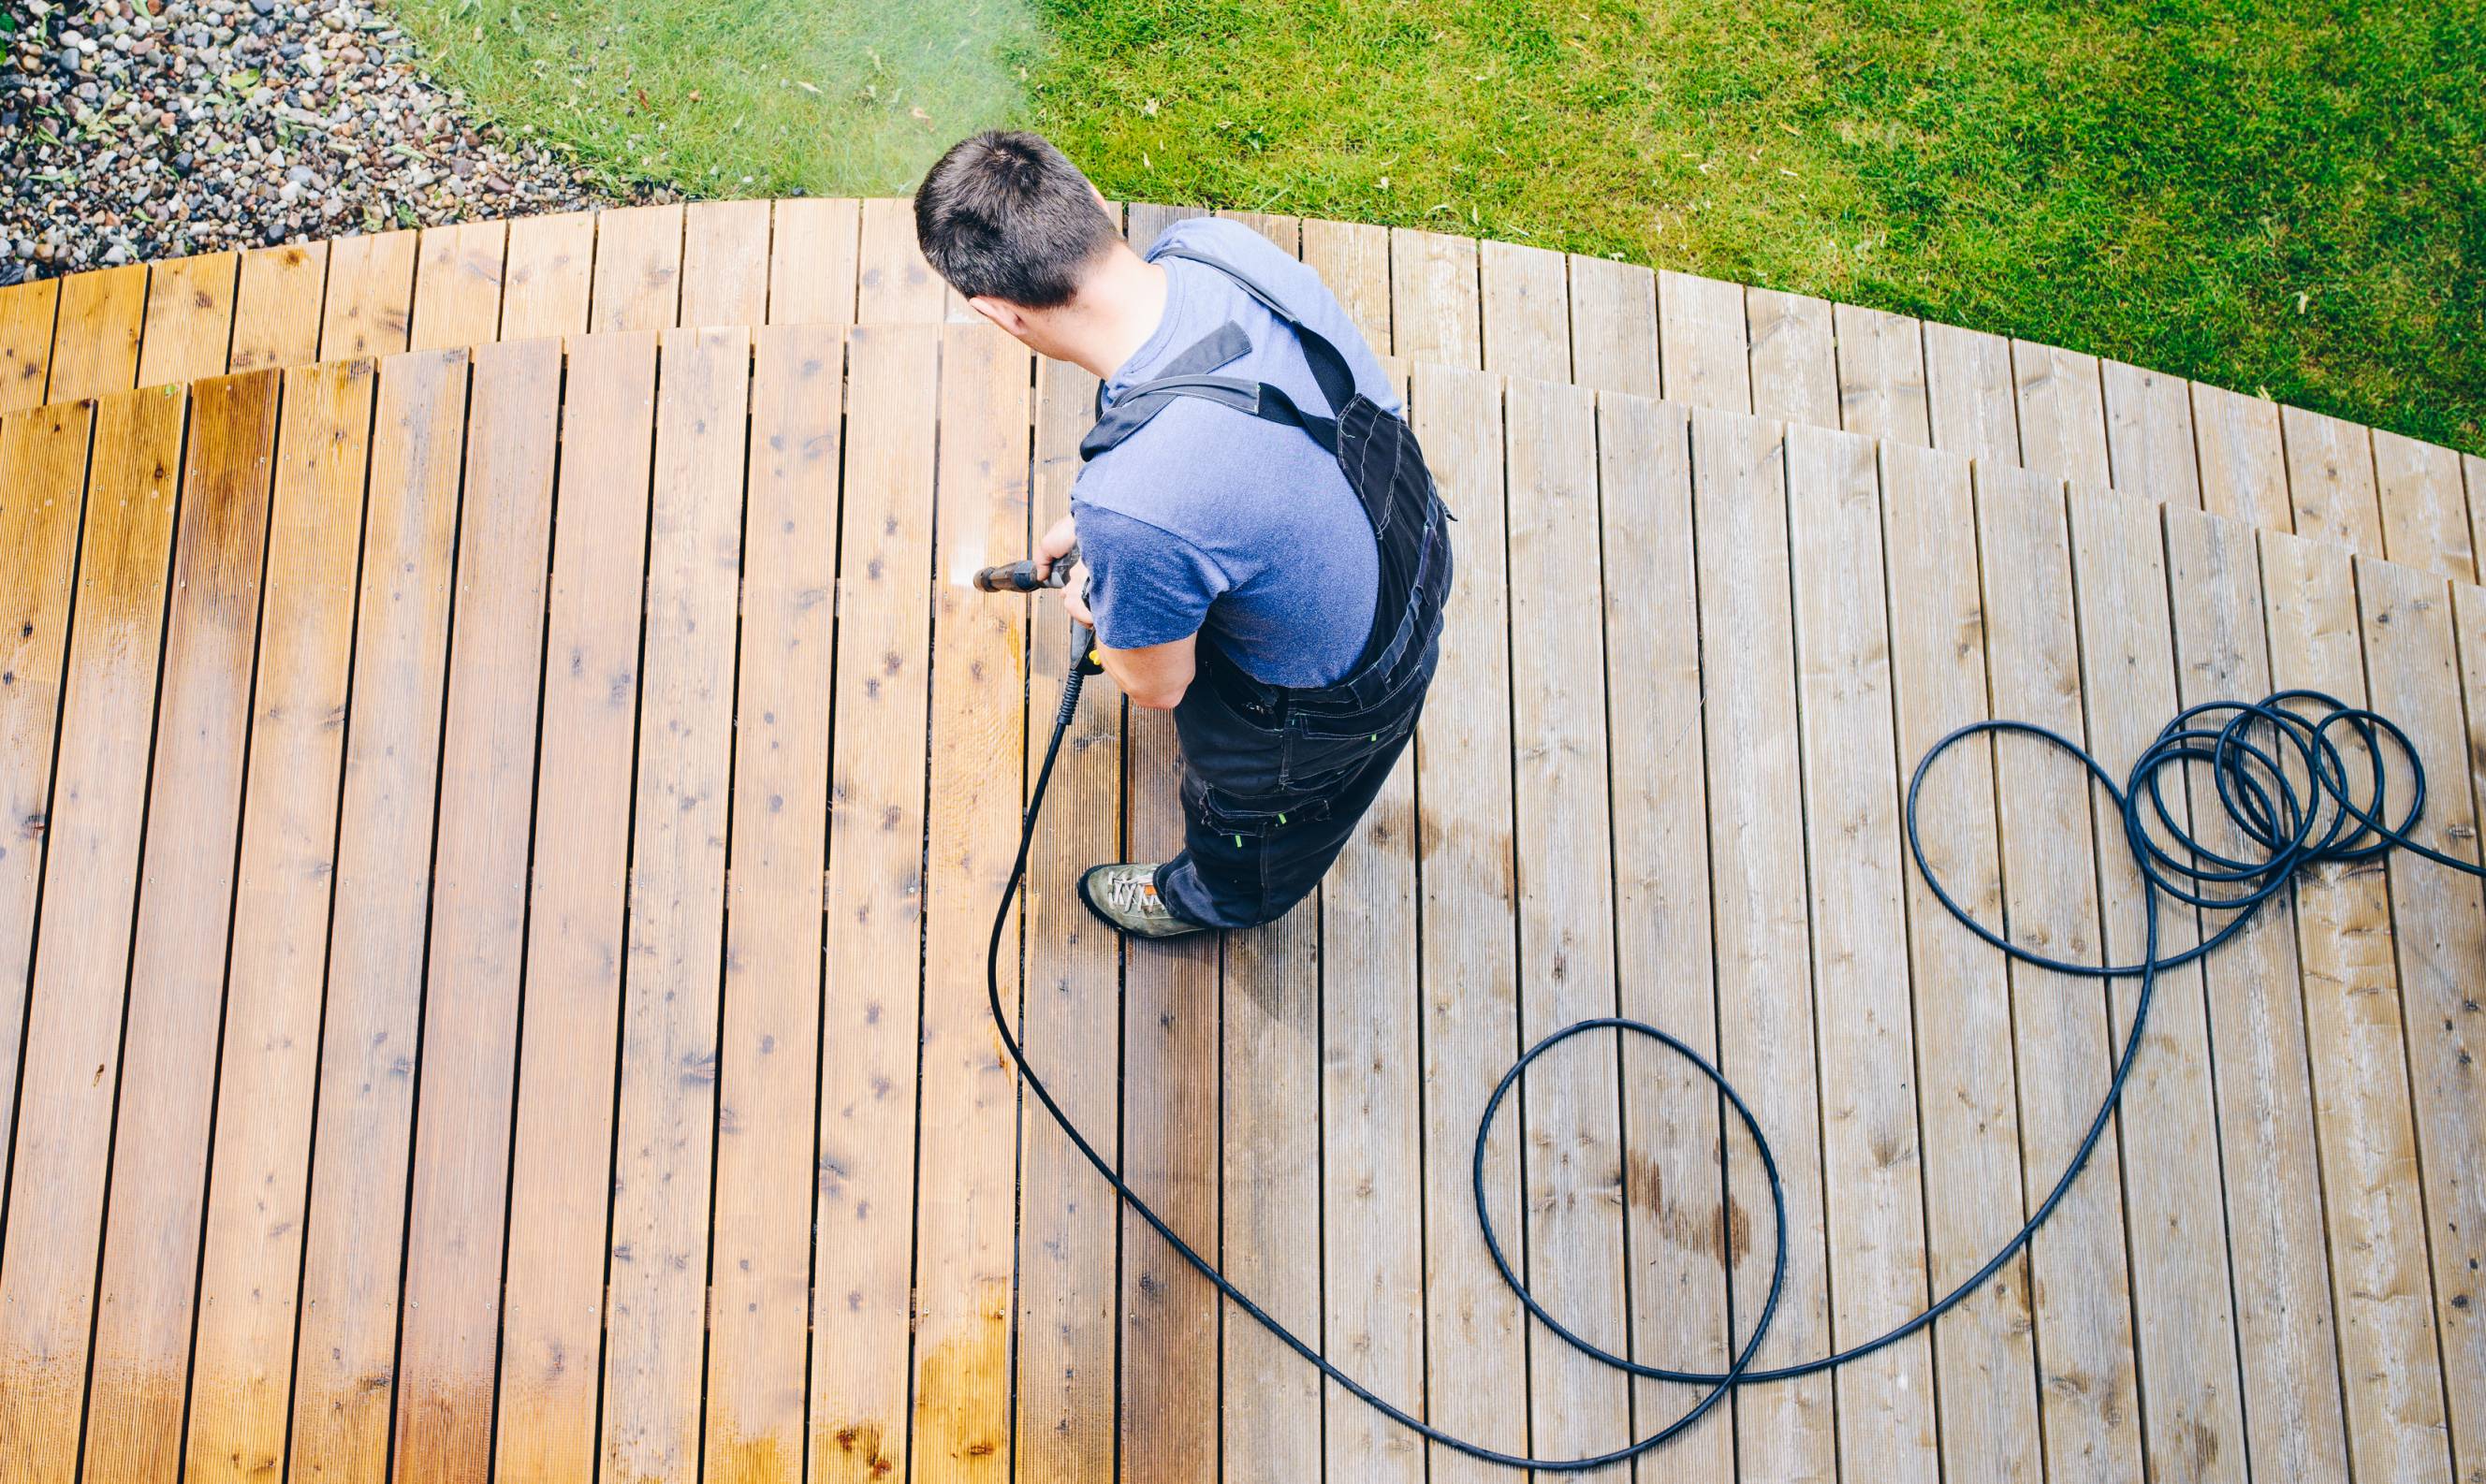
<point>1007,215</point>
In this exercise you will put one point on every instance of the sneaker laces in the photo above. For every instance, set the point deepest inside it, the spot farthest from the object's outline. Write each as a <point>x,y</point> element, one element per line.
<point>1132,892</point>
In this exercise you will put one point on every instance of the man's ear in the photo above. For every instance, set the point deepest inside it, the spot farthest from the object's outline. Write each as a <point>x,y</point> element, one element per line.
<point>1011,319</point>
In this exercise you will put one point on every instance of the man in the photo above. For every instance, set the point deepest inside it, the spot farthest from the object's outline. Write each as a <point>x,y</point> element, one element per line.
<point>1266,556</point>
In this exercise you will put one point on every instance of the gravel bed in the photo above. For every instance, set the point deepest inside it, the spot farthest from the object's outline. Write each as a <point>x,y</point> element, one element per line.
<point>133,129</point>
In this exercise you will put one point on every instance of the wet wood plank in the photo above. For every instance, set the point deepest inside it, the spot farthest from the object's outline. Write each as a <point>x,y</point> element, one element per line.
<point>893,283</point>
<point>1882,391</point>
<point>175,996</point>
<point>2412,665</point>
<point>1469,965</point>
<point>665,1117</point>
<point>637,270</point>
<point>277,306</point>
<point>1675,1219</point>
<point>1796,363</point>
<point>457,287</point>
<point>2062,412</point>
<point>811,262</point>
<point>92,852</point>
<point>2243,464</point>
<point>1871,1156</point>
<point>725,262</point>
<point>2149,434</point>
<point>1613,326</point>
<point>1527,311</point>
<point>2083,1311</point>
<point>1757,898</point>
<point>2330,481</point>
<point>43,484</point>
<point>1070,997</point>
<point>1700,332</point>
<point>370,305</point>
<point>864,1185</point>
<point>2389,1364</point>
<point>547,275</point>
<point>2293,1427</point>
<point>2426,515</point>
<point>189,319</point>
<point>346,1351</point>
<point>1970,403</point>
<point>1353,259</point>
<point>241,1358</point>
<point>761,1320</point>
<point>2190,1401</point>
<point>1435,311</point>
<point>561,1150</point>
<point>27,312</point>
<point>1984,1358</point>
<point>449,1323</point>
<point>94,340</point>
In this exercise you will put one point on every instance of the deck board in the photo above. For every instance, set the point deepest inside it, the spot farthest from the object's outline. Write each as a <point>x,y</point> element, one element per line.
<point>1696,652</point>
<point>638,283</point>
<point>276,306</point>
<point>189,319</point>
<point>27,312</point>
<point>368,309</point>
<point>457,286</point>
<point>1796,365</point>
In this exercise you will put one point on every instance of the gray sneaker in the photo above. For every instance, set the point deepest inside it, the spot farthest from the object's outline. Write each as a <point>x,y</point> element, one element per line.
<point>1125,896</point>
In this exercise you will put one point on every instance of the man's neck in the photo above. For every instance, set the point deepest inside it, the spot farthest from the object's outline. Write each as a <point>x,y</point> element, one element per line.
<point>1118,308</point>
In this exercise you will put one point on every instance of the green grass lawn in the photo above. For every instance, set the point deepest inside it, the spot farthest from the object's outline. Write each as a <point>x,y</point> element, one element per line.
<point>2288,198</point>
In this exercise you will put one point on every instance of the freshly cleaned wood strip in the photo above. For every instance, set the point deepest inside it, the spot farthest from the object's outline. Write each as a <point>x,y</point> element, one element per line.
<point>864,1185</point>
<point>27,312</point>
<point>457,286</point>
<point>189,319</point>
<point>2050,899</point>
<point>2456,1304</point>
<point>547,275</point>
<point>1613,325</point>
<point>2062,414</point>
<point>1985,1365</point>
<point>767,1108</point>
<point>2243,464</point>
<point>969,1153</point>
<point>2472,473</point>
<point>1476,1350</point>
<point>725,262</point>
<point>2439,922</point>
<point>450,1331</point>
<point>665,1117</point>
<point>1766,1025</point>
<point>370,304</point>
<point>1796,363</point>
<point>1573,1117</point>
<point>637,270</point>
<point>894,284</point>
<point>277,306</point>
<point>1353,258</point>
<point>93,836</point>
<point>2149,434</point>
<point>1882,375</point>
<point>42,484</point>
<point>2191,1391</point>
<point>1970,402</point>
<point>2390,1359</point>
<point>1070,1002</point>
<point>812,260</point>
<point>1700,329</point>
<point>1676,1222</point>
<point>1870,1151</point>
<point>2426,516</point>
<point>94,341</point>
<point>562,1148</point>
<point>1526,318</point>
<point>346,1349</point>
<point>2285,1338</point>
<point>2330,481</point>
<point>1435,313</point>
<point>241,1361</point>
<point>168,1047</point>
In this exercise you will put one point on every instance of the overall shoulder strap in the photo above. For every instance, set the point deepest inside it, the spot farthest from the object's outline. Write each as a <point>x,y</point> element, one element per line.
<point>1330,371</point>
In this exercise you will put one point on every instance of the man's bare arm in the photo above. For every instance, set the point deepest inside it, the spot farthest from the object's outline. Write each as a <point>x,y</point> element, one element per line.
<point>1154,676</point>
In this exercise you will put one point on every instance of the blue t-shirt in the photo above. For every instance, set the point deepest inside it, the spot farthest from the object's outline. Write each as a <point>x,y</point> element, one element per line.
<point>1211,520</point>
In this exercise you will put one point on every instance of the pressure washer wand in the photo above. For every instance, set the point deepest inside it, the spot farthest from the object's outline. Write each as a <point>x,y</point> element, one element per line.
<point>1023,576</point>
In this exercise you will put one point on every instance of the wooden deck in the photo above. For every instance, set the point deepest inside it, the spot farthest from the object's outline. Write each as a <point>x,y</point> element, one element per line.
<point>490,943</point>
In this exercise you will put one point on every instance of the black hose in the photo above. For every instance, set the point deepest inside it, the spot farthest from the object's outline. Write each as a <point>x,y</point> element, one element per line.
<point>2290,824</point>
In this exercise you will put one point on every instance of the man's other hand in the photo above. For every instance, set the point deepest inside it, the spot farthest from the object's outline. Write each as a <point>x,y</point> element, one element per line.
<point>1054,545</point>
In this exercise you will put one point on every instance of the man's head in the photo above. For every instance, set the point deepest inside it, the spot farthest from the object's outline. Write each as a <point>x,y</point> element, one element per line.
<point>1014,226</point>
